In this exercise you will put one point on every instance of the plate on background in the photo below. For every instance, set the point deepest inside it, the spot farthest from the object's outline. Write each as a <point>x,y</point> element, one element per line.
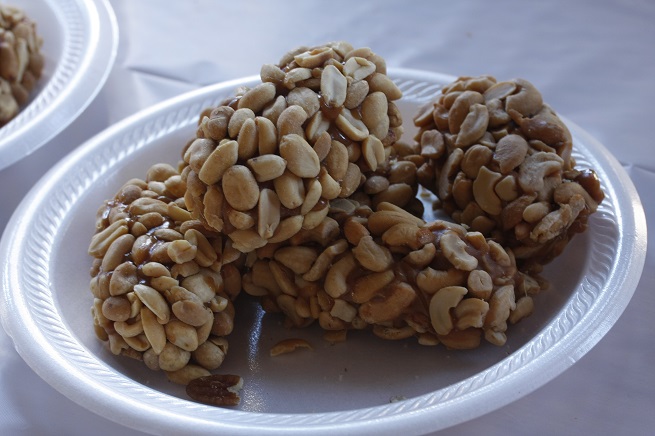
<point>80,41</point>
<point>364,385</point>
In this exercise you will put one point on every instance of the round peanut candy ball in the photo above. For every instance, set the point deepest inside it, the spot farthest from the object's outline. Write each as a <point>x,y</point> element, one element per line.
<point>266,163</point>
<point>499,159</point>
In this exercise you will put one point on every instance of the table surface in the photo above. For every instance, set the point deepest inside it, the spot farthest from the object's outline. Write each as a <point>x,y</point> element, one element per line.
<point>594,62</point>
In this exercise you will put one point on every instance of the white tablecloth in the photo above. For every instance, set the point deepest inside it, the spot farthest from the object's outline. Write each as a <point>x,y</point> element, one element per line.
<point>594,62</point>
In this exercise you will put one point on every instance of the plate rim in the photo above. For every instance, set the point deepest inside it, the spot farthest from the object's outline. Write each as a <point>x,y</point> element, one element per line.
<point>428,418</point>
<point>77,79</point>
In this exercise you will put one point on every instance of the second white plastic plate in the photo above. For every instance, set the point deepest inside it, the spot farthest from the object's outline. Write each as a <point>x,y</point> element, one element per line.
<point>80,40</point>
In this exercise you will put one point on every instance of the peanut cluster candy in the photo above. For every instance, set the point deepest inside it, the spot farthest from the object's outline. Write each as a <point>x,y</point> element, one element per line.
<point>163,284</point>
<point>267,163</point>
<point>299,192</point>
<point>500,161</point>
<point>394,273</point>
<point>21,62</point>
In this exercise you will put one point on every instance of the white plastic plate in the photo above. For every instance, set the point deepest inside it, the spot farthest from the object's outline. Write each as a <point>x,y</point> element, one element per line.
<point>364,385</point>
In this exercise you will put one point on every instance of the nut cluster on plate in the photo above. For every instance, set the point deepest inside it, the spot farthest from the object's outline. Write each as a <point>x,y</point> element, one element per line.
<point>268,162</point>
<point>298,192</point>
<point>163,284</point>
<point>21,62</point>
<point>500,161</point>
<point>393,272</point>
